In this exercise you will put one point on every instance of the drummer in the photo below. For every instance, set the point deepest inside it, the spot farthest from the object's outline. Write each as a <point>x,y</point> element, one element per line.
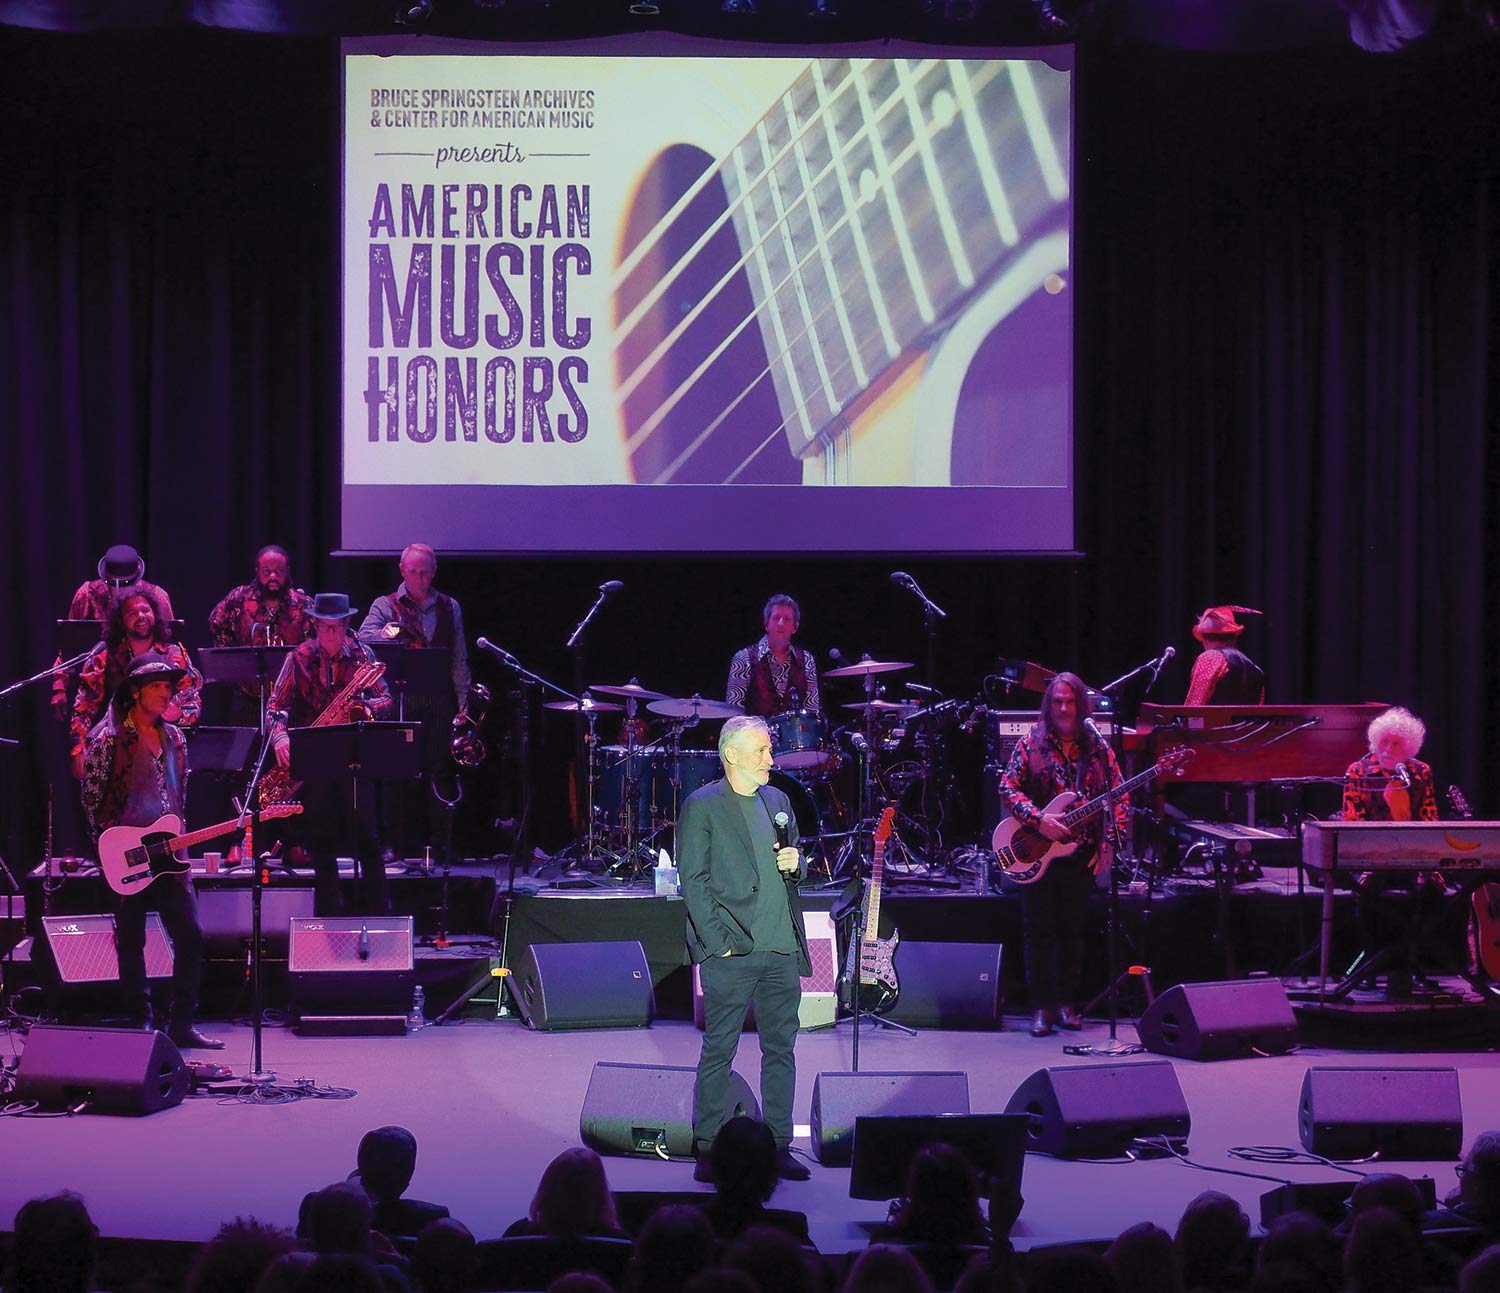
<point>773,676</point>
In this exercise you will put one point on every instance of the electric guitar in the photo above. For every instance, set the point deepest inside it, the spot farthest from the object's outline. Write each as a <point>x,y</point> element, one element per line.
<point>871,960</point>
<point>131,857</point>
<point>1024,853</point>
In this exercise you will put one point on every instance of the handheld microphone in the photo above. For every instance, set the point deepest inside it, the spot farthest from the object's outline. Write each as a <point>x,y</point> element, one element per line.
<point>610,586</point>
<point>783,833</point>
<point>362,949</point>
<point>504,656</point>
<point>1403,775</point>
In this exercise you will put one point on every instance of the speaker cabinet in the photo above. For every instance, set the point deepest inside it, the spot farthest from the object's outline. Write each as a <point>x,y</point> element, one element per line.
<point>819,1006</point>
<point>584,985</point>
<point>83,948</point>
<point>110,1070</point>
<point>350,974</point>
<point>647,1109</point>
<point>1220,1021</point>
<point>948,985</point>
<point>839,1098</point>
<point>1404,1113</point>
<point>1096,1110</point>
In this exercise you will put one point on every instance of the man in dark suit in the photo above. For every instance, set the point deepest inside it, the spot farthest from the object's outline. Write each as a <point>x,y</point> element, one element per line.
<point>739,863</point>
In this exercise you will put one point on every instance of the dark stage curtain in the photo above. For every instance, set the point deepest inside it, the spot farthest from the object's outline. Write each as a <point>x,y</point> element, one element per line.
<point>1286,305</point>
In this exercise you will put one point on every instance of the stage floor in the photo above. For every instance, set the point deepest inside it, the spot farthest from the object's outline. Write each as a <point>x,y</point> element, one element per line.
<point>491,1103</point>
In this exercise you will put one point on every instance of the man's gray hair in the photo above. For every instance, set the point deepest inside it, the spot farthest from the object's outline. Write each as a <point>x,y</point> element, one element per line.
<point>729,734</point>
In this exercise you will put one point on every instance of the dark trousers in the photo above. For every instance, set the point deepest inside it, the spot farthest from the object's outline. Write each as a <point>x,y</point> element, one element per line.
<point>1054,911</point>
<point>178,907</point>
<point>770,981</point>
<point>341,816</point>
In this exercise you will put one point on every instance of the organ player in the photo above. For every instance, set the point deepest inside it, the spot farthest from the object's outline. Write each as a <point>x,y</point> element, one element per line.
<point>1222,673</point>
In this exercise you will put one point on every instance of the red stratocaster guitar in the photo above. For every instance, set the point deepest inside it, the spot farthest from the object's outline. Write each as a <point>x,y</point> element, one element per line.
<point>871,960</point>
<point>131,857</point>
<point>1024,853</point>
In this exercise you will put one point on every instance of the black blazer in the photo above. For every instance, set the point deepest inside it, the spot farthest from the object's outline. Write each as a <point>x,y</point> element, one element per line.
<point>720,881</point>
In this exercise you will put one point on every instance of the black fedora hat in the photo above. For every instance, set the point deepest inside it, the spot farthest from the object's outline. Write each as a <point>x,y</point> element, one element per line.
<point>332,606</point>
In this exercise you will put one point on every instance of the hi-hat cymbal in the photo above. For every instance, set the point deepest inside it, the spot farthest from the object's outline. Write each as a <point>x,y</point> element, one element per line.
<point>589,706</point>
<point>867,666</point>
<point>630,690</point>
<point>898,709</point>
<point>694,706</point>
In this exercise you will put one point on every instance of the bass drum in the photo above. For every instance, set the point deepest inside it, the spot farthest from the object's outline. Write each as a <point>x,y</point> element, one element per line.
<point>804,807</point>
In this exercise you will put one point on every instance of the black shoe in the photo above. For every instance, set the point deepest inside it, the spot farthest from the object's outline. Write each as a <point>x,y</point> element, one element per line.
<point>703,1169</point>
<point>191,1038</point>
<point>1041,1023</point>
<point>1068,1018</point>
<point>789,1167</point>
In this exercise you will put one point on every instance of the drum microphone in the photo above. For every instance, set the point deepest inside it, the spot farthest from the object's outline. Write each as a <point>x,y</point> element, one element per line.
<point>783,834</point>
<point>363,948</point>
<point>1403,776</point>
<point>837,656</point>
<point>921,690</point>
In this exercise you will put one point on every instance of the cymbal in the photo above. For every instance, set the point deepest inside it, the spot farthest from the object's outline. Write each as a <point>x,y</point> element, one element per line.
<point>630,690</point>
<point>896,708</point>
<point>589,706</point>
<point>867,666</point>
<point>694,706</point>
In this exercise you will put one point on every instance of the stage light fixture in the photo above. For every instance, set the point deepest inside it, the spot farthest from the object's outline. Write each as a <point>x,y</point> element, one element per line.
<point>645,8</point>
<point>740,8</point>
<point>413,13</point>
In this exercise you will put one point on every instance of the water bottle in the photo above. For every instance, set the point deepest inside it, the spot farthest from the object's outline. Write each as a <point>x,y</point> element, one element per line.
<point>982,871</point>
<point>415,1019</point>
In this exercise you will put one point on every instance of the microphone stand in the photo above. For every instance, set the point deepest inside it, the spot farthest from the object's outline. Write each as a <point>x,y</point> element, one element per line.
<point>582,745</point>
<point>260,879</point>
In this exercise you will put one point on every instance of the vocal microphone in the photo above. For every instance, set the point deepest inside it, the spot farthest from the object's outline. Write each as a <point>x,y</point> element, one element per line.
<point>362,949</point>
<point>1403,775</point>
<point>1164,657</point>
<point>1098,735</point>
<point>504,656</point>
<point>783,834</point>
<point>277,715</point>
<point>610,586</point>
<point>837,656</point>
<point>857,740</point>
<point>902,578</point>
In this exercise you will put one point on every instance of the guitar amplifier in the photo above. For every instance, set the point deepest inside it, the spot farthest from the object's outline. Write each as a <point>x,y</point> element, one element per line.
<point>83,948</point>
<point>819,1005</point>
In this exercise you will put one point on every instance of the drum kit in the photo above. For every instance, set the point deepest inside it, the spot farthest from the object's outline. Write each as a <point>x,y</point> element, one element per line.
<point>635,785</point>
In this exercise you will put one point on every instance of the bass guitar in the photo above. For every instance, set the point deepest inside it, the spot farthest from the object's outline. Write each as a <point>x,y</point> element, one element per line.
<point>131,857</point>
<point>871,962</point>
<point>1024,853</point>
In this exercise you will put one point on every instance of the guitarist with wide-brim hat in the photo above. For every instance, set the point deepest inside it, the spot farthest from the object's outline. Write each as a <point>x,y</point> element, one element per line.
<point>134,772</point>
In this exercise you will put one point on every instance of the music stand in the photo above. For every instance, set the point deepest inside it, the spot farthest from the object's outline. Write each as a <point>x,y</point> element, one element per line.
<point>220,749</point>
<point>374,751</point>
<point>249,666</point>
<point>421,671</point>
<point>993,1143</point>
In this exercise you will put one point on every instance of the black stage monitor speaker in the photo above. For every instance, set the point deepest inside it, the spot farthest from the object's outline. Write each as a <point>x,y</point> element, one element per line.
<point>1220,1021</point>
<point>83,948</point>
<point>110,1070</point>
<point>948,985</point>
<point>839,1098</point>
<point>341,969</point>
<point>1096,1110</point>
<point>1398,1113</point>
<point>584,985</point>
<point>648,1109</point>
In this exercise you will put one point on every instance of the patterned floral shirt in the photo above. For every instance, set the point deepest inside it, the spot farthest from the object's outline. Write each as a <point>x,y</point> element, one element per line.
<point>309,680</point>
<point>246,618</point>
<point>742,672</point>
<point>104,670</point>
<point>1041,767</point>
<point>91,601</point>
<point>1364,792</point>
<point>107,763</point>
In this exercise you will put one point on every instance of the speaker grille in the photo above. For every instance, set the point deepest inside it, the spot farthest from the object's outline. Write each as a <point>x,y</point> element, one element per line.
<point>83,948</point>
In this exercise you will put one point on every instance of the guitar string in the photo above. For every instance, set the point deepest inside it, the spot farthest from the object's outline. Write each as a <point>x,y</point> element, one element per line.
<point>653,422</point>
<point>912,149</point>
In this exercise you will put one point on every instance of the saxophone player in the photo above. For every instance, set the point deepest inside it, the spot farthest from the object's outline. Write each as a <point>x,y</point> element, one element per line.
<point>339,815</point>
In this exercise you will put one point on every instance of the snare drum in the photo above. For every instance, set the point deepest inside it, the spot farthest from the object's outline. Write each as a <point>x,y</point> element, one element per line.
<point>799,740</point>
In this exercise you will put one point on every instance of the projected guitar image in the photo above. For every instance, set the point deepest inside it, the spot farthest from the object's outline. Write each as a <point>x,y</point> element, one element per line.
<point>874,267</point>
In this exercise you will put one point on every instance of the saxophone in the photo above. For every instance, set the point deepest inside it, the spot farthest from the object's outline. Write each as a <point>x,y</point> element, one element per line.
<point>276,785</point>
